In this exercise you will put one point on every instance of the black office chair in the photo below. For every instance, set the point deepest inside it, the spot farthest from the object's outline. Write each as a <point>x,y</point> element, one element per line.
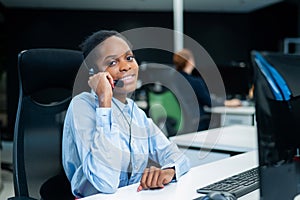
<point>46,84</point>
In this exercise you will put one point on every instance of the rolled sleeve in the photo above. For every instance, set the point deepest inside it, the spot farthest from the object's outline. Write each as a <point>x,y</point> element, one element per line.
<point>181,167</point>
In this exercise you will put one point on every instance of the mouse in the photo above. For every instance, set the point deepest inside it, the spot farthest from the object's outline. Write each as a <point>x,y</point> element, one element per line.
<point>218,196</point>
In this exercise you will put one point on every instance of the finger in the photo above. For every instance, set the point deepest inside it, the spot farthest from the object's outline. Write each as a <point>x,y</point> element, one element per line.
<point>140,188</point>
<point>164,179</point>
<point>144,178</point>
<point>150,177</point>
<point>104,80</point>
<point>110,79</point>
<point>93,82</point>
<point>160,180</point>
<point>154,182</point>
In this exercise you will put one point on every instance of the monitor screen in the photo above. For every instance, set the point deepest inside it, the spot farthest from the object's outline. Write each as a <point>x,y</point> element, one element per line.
<point>237,81</point>
<point>277,104</point>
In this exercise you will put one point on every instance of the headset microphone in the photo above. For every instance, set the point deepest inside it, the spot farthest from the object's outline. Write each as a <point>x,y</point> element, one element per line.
<point>119,83</point>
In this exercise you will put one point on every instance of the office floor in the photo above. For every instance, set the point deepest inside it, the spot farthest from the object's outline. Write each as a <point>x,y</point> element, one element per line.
<point>6,176</point>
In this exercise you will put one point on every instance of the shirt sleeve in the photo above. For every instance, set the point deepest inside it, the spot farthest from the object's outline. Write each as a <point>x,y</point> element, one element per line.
<point>201,91</point>
<point>165,152</point>
<point>97,145</point>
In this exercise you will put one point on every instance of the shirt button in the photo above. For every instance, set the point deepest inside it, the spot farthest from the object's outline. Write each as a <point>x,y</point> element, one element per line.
<point>135,167</point>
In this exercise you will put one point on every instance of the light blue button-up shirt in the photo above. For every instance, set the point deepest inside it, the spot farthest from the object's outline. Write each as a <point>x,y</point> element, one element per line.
<point>96,149</point>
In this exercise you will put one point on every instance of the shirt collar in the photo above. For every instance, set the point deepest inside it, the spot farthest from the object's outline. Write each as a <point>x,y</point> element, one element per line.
<point>123,106</point>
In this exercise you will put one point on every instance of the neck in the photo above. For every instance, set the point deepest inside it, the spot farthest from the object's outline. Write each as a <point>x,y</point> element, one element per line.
<point>188,70</point>
<point>121,97</point>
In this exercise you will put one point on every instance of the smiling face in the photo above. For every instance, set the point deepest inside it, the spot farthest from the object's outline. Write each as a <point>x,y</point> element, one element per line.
<point>116,58</point>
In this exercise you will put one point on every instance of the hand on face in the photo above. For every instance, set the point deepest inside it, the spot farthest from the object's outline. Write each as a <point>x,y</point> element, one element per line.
<point>102,84</point>
<point>154,177</point>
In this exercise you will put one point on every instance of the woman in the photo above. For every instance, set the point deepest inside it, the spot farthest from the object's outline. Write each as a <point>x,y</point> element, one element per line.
<point>185,64</point>
<point>107,139</point>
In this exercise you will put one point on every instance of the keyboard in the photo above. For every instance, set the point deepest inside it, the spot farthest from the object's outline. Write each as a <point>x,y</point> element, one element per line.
<point>238,185</point>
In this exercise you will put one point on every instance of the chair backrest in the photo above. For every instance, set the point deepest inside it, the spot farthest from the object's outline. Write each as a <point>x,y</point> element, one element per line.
<point>46,78</point>
<point>176,102</point>
<point>165,111</point>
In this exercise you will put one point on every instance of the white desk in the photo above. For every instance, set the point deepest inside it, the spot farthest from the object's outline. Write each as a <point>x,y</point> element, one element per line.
<point>235,115</point>
<point>187,185</point>
<point>235,138</point>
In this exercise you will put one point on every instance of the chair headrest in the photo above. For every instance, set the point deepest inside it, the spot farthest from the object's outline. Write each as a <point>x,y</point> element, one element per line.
<point>45,68</point>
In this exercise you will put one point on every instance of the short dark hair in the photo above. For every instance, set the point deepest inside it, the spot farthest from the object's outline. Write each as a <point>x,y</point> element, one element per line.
<point>96,38</point>
<point>93,40</point>
<point>90,43</point>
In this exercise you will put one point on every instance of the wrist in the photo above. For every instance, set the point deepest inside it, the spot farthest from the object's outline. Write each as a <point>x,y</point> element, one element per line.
<point>173,171</point>
<point>104,102</point>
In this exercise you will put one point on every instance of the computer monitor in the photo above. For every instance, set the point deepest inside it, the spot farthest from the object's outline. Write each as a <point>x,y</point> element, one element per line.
<point>237,80</point>
<point>277,103</point>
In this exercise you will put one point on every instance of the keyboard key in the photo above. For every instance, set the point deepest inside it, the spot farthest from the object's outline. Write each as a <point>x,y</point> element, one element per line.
<point>239,184</point>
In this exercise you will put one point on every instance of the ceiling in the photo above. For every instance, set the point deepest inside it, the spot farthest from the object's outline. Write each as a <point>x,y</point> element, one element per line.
<point>240,6</point>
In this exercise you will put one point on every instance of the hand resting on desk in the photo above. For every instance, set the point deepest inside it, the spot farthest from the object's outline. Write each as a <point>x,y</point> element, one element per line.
<point>154,177</point>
